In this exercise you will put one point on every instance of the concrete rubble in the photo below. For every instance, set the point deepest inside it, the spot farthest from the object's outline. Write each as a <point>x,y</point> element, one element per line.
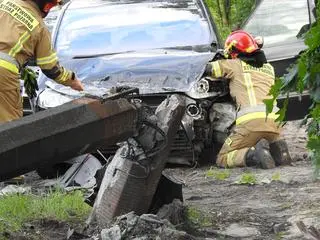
<point>146,226</point>
<point>150,226</point>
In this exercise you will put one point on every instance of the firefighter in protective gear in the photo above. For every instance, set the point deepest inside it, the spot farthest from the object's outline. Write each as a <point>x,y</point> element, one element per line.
<point>24,36</point>
<point>254,140</point>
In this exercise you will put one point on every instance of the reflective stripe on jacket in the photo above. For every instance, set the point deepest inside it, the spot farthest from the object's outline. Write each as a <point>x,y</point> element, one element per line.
<point>24,36</point>
<point>9,63</point>
<point>255,112</point>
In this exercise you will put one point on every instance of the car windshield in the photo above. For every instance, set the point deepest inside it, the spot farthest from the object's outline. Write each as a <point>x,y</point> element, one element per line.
<point>278,22</point>
<point>122,26</point>
<point>51,19</point>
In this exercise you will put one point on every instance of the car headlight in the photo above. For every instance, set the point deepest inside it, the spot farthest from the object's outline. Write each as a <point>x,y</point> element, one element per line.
<point>202,86</point>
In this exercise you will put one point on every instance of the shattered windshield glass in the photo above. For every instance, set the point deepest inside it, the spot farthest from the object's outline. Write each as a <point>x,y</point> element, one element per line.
<point>279,22</point>
<point>114,27</point>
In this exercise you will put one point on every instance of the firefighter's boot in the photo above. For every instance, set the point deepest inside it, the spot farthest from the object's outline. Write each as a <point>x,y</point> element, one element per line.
<point>260,156</point>
<point>280,152</point>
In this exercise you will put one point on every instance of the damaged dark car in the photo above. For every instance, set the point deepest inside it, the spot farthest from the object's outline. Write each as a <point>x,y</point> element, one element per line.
<point>159,47</point>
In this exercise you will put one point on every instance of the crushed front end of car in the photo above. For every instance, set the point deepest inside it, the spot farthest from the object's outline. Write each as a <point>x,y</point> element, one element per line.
<point>161,48</point>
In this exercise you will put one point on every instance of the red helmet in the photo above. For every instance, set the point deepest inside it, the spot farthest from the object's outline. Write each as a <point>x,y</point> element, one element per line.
<point>46,5</point>
<point>239,42</point>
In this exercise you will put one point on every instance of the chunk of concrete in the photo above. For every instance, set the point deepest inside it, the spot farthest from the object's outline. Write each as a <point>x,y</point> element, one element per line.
<point>132,177</point>
<point>113,233</point>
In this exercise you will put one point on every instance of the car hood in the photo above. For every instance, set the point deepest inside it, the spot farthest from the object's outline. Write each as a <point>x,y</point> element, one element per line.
<point>159,71</point>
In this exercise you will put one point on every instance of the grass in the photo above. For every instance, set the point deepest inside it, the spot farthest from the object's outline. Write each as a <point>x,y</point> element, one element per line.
<point>17,209</point>
<point>247,178</point>
<point>218,174</point>
<point>276,176</point>
<point>280,235</point>
<point>198,218</point>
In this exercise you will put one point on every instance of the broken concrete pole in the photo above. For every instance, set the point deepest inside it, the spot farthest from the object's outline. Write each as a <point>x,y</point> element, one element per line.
<point>130,184</point>
<point>60,133</point>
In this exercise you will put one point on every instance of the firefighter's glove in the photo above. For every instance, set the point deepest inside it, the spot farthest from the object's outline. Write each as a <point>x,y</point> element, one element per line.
<point>30,82</point>
<point>219,55</point>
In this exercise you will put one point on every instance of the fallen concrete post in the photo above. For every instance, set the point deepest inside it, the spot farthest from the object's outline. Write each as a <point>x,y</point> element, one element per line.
<point>60,133</point>
<point>132,177</point>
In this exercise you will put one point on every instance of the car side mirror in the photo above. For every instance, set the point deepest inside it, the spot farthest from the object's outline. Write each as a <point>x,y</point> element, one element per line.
<point>303,30</point>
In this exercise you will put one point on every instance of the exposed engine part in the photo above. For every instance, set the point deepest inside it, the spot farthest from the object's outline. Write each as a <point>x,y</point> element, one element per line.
<point>187,124</point>
<point>136,101</point>
<point>222,116</point>
<point>208,87</point>
<point>193,110</point>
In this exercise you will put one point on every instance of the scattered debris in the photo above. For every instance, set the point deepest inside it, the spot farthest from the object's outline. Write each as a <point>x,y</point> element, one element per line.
<point>174,212</point>
<point>146,226</point>
<point>11,189</point>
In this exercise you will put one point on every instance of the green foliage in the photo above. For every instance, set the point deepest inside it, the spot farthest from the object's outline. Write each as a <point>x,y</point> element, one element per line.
<point>228,18</point>
<point>30,81</point>
<point>247,178</point>
<point>240,10</point>
<point>305,75</point>
<point>218,174</point>
<point>17,209</point>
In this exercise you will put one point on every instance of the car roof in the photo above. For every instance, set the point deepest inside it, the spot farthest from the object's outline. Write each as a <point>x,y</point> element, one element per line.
<point>74,4</point>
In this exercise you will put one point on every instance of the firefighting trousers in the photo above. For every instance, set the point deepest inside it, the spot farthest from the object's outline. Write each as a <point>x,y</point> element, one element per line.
<point>243,137</point>
<point>10,105</point>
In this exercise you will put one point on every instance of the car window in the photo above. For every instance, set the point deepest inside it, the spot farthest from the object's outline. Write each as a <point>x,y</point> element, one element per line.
<point>279,22</point>
<point>113,28</point>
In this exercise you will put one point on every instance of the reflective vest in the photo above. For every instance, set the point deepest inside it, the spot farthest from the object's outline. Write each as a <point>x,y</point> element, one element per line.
<point>24,36</point>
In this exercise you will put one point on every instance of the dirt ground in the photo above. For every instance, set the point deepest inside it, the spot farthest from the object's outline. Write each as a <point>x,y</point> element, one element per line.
<point>269,209</point>
<point>266,210</point>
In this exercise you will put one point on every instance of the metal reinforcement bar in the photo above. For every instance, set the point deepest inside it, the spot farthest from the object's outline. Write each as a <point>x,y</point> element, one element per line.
<point>129,184</point>
<point>60,133</point>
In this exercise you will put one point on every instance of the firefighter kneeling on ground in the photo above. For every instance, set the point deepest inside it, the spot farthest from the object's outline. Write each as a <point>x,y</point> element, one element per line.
<point>255,139</point>
<point>24,36</point>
